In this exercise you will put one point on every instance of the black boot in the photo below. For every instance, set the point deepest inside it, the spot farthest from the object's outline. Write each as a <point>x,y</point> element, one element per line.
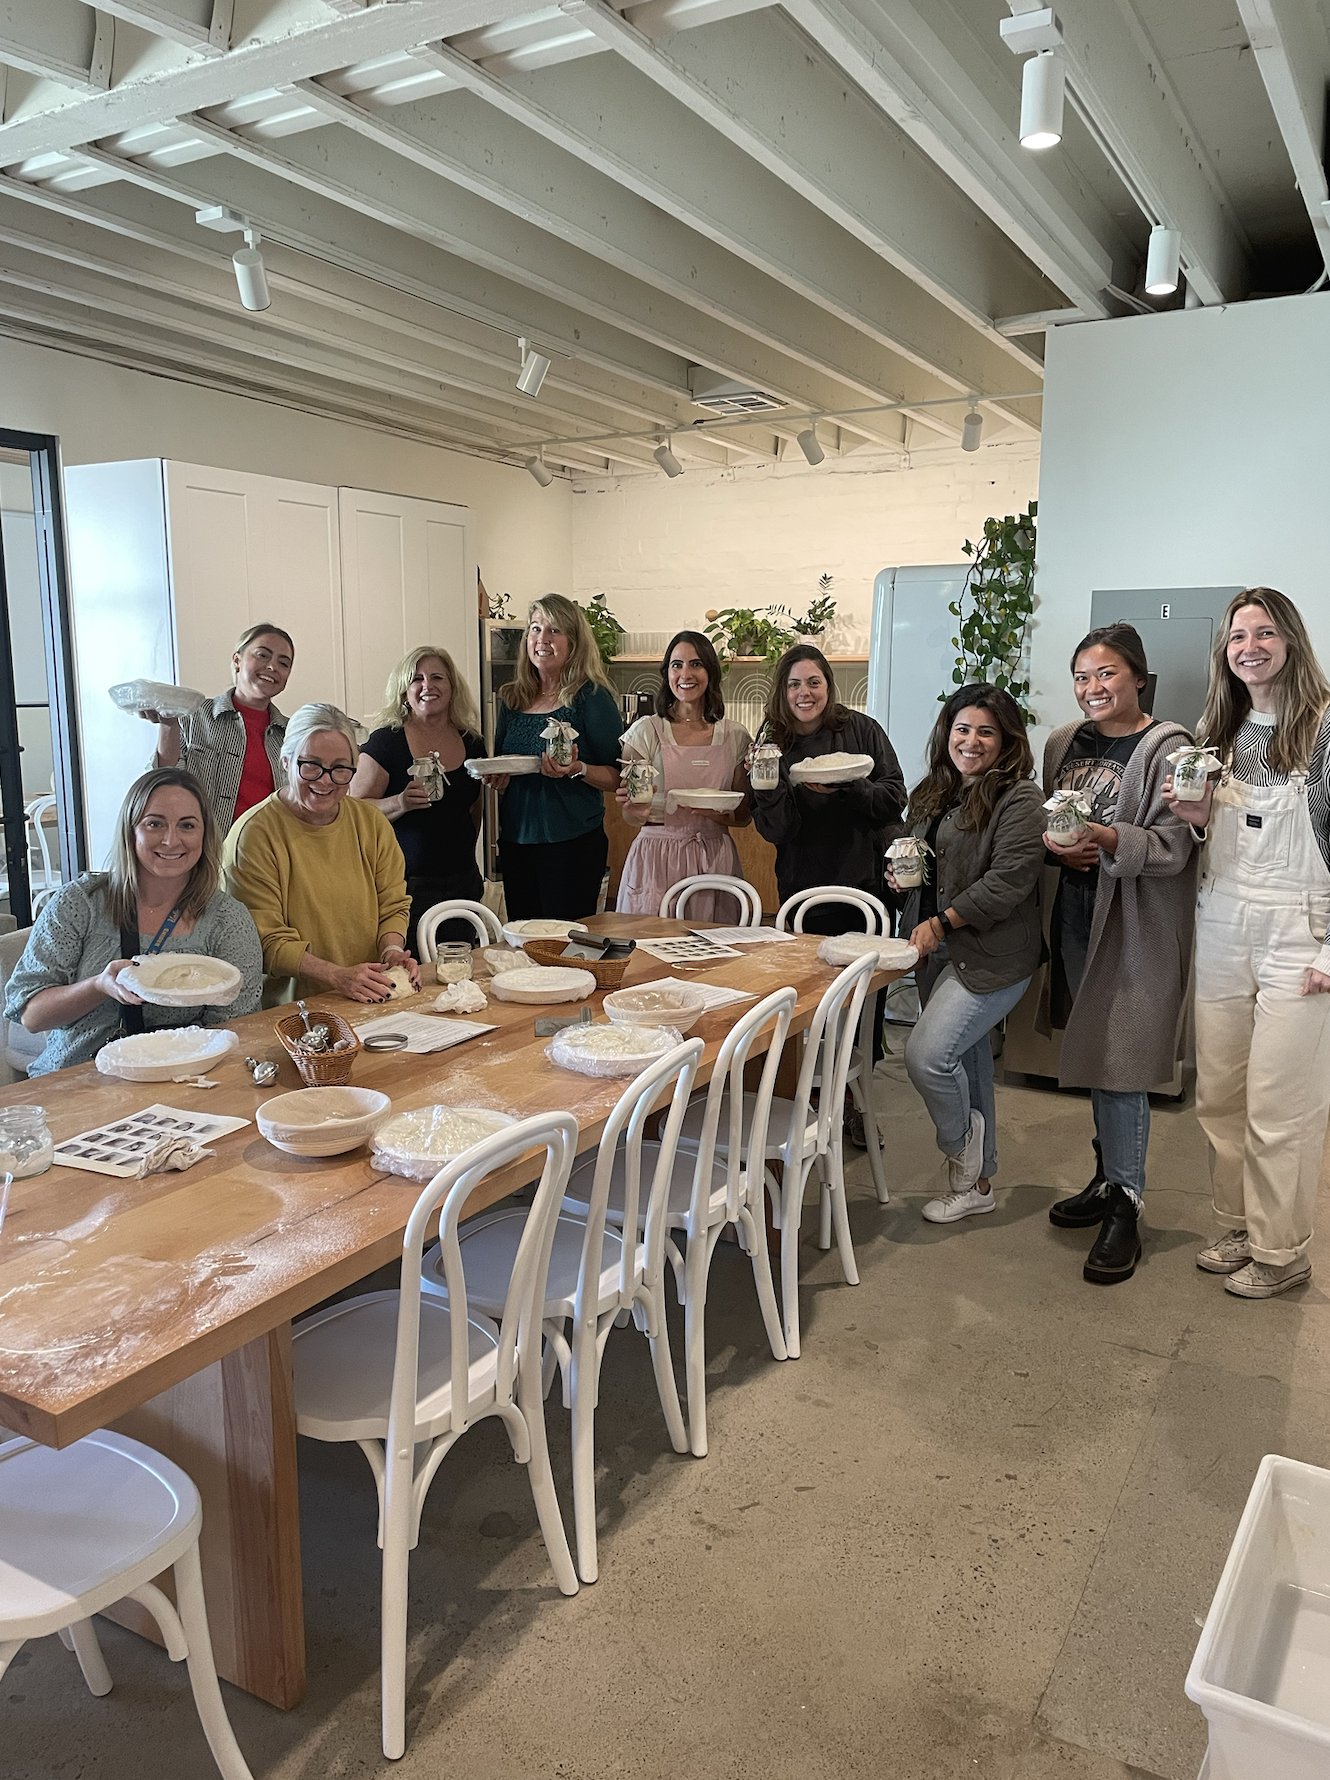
<point>1089,1206</point>
<point>1117,1248</point>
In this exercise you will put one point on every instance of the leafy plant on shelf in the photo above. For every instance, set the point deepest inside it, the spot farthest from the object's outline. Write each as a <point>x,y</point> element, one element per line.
<point>995,606</point>
<point>605,627</point>
<point>765,631</point>
<point>819,615</point>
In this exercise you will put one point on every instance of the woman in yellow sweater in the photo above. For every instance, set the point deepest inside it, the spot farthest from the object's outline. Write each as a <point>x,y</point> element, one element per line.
<point>321,873</point>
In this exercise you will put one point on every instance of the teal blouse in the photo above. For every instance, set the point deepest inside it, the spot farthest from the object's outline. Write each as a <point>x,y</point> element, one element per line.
<point>535,809</point>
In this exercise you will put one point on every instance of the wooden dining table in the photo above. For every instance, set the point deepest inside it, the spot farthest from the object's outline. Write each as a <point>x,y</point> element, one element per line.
<point>163,1306</point>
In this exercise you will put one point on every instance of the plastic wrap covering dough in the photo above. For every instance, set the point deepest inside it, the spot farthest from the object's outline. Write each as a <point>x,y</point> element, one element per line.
<point>183,979</point>
<point>418,1144</point>
<point>832,769</point>
<point>892,954</point>
<point>156,695</point>
<point>648,1006</point>
<point>611,1050</point>
<point>161,1055</point>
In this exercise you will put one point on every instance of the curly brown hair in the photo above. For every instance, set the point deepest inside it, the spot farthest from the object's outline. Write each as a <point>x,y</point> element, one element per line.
<point>941,787</point>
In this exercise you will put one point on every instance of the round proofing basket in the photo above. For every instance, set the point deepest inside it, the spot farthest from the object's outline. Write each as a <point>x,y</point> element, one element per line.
<point>320,1069</point>
<point>609,973</point>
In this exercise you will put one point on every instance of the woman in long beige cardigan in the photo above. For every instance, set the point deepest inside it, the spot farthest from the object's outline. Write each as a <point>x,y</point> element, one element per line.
<point>1121,933</point>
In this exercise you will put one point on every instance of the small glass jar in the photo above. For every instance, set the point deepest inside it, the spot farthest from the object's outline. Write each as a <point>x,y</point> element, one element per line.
<point>907,865</point>
<point>765,773</point>
<point>427,769</point>
<point>452,962</point>
<point>560,750</point>
<point>1190,776</point>
<point>25,1141</point>
<point>640,780</point>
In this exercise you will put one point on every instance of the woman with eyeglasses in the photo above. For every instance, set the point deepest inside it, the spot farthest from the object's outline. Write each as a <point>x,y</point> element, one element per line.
<point>321,873</point>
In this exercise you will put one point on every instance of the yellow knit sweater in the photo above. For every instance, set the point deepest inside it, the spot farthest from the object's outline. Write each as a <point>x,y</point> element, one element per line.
<point>332,891</point>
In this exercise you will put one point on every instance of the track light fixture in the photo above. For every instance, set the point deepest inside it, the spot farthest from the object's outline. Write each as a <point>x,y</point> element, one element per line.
<point>251,275</point>
<point>972,430</point>
<point>667,460</point>
<point>532,373</point>
<point>535,466</point>
<point>1043,96</point>
<point>1162,262</point>
<point>807,441</point>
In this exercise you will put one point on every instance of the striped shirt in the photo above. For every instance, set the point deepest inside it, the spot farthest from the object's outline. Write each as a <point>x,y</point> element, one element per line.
<point>212,747</point>
<point>1250,765</point>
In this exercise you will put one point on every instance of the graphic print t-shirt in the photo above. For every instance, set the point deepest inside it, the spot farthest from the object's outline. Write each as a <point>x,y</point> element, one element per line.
<point>1094,766</point>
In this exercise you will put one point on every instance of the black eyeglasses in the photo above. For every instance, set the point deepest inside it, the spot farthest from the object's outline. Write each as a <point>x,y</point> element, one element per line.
<point>311,771</point>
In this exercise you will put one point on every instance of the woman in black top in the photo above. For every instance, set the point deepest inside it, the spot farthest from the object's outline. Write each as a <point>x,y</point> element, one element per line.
<point>414,770</point>
<point>825,834</point>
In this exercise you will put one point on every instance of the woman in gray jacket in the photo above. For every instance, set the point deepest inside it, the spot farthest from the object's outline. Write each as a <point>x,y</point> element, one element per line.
<point>1121,933</point>
<point>976,924</point>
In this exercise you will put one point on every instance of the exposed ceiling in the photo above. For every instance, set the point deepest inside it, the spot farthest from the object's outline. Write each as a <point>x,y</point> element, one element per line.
<point>824,200</point>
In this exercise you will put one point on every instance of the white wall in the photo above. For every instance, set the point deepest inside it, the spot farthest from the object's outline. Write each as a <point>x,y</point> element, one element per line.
<point>1189,449</point>
<point>103,413</point>
<point>665,552</point>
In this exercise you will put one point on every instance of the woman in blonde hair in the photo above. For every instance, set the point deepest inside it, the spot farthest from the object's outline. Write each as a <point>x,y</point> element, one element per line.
<point>552,845</point>
<point>233,745</point>
<point>160,895</point>
<point>413,768</point>
<point>1262,958</point>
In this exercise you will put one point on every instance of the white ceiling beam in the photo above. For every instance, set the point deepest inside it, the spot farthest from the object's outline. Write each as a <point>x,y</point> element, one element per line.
<point>756,83</point>
<point>1289,41</point>
<point>544,210</point>
<point>388,187</point>
<point>1120,87</point>
<point>55,40</point>
<point>632,132</point>
<point>928,72</point>
<point>186,22</point>
<point>256,65</point>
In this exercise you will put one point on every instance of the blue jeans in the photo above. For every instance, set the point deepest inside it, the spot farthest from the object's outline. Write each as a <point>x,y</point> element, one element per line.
<point>949,1058</point>
<point>1121,1116</point>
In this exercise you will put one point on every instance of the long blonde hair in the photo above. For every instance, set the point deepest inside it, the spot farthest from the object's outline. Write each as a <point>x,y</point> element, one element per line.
<point>463,712</point>
<point>583,661</point>
<point>1302,691</point>
<point>122,881</point>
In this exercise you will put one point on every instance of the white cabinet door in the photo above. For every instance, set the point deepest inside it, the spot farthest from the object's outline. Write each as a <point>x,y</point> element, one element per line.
<point>408,577</point>
<point>247,549</point>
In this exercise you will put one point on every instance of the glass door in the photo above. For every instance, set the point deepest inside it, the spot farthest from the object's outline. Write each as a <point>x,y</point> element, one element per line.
<point>40,780</point>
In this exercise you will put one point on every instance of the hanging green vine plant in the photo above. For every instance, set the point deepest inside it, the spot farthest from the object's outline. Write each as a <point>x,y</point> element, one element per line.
<point>995,606</point>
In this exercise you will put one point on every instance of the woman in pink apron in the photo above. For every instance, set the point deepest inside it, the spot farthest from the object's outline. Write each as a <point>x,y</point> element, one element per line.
<point>689,745</point>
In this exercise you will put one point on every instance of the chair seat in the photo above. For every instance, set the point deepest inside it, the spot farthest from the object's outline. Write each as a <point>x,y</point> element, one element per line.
<point>577,1197</point>
<point>80,1528</point>
<point>343,1358</point>
<point>489,1249</point>
<point>778,1126</point>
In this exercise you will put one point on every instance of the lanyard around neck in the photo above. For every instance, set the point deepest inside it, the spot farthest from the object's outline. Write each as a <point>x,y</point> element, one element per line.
<point>163,933</point>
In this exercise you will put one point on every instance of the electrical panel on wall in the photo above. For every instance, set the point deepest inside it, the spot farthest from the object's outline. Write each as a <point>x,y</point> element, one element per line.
<point>1177,626</point>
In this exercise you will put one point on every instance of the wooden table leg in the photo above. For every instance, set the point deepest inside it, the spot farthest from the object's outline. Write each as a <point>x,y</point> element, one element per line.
<point>232,1428</point>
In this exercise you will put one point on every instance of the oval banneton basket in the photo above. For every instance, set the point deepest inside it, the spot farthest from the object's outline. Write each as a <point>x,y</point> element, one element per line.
<point>320,1069</point>
<point>609,973</point>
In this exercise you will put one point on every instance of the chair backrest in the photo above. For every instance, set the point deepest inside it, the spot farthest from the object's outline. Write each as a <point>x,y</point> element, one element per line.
<point>727,1078</point>
<point>873,910</point>
<point>676,898</point>
<point>829,1050</point>
<point>520,1329</point>
<point>626,1128</point>
<point>50,878</point>
<point>489,928</point>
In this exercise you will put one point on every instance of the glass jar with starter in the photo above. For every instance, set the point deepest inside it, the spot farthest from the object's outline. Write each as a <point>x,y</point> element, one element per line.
<point>452,962</point>
<point>25,1142</point>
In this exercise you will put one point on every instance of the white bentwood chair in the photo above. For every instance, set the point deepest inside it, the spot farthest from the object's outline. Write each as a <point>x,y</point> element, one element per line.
<point>596,1277</point>
<point>678,896</point>
<point>404,1374</point>
<point>94,1524</point>
<point>790,917</point>
<point>489,928</point>
<point>802,1137</point>
<point>705,1194</point>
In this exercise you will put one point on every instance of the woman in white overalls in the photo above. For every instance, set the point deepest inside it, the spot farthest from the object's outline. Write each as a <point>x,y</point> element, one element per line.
<point>691,746</point>
<point>1262,960</point>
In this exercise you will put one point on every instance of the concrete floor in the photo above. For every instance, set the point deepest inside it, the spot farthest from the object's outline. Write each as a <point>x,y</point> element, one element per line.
<point>972,1532</point>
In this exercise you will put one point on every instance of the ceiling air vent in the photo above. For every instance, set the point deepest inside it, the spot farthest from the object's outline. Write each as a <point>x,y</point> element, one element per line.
<point>720,396</point>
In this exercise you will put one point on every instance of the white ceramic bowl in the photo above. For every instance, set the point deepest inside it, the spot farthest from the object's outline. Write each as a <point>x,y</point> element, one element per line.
<point>647,1005</point>
<point>322,1121</point>
<point>517,933</point>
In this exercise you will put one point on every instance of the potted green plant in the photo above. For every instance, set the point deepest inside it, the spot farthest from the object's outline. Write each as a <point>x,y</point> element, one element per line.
<point>605,627</point>
<point>743,630</point>
<point>995,606</point>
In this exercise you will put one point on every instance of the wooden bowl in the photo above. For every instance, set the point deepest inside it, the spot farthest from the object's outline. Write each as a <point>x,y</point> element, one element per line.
<point>609,973</point>
<point>320,1069</point>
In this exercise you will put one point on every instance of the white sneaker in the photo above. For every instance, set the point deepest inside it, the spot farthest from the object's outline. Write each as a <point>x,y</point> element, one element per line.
<point>1258,1279</point>
<point>958,1205</point>
<point>1228,1254</point>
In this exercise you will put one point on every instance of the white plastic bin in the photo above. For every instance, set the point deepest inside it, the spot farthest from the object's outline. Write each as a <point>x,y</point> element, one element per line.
<point>1261,1673</point>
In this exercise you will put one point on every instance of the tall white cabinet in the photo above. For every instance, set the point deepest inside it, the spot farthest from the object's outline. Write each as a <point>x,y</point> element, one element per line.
<point>170,562</point>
